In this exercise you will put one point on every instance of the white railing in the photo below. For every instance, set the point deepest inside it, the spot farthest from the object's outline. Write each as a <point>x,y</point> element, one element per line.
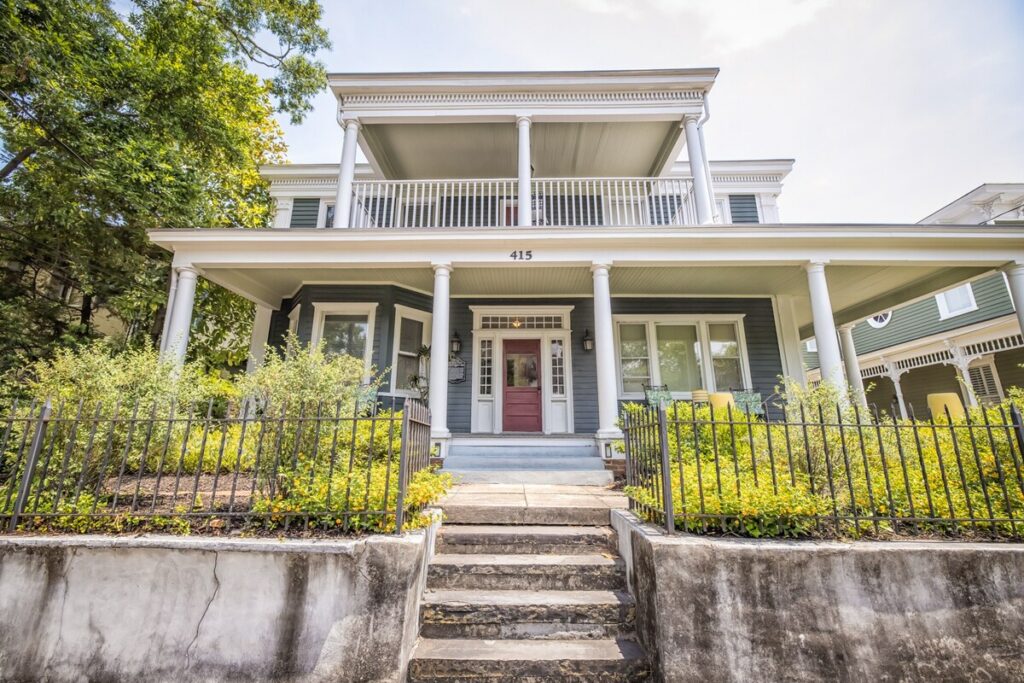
<point>487,203</point>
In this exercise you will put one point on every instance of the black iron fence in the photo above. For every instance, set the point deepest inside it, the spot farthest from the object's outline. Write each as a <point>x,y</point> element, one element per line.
<point>343,468</point>
<point>826,472</point>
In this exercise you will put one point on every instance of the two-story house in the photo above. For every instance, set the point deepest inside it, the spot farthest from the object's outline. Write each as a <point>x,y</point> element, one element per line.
<point>964,340</point>
<point>559,241</point>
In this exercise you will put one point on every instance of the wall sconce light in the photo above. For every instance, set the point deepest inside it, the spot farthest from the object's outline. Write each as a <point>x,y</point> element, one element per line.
<point>456,343</point>
<point>588,341</point>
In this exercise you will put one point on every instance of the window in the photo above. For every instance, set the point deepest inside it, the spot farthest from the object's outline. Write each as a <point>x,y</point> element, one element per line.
<point>329,216</point>
<point>345,328</point>
<point>984,382</point>
<point>811,345</point>
<point>956,301</point>
<point>486,366</point>
<point>881,320</point>
<point>412,333</point>
<point>557,367</point>
<point>683,354</point>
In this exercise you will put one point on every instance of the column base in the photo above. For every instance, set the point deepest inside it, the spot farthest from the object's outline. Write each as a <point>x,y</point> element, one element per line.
<point>606,443</point>
<point>442,439</point>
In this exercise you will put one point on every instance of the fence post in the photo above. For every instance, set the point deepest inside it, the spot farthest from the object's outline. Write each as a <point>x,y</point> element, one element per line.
<point>403,468</point>
<point>30,466</point>
<point>1018,427</point>
<point>666,473</point>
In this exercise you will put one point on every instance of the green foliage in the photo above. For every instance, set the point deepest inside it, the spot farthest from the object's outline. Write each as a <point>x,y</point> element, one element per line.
<point>122,117</point>
<point>837,476</point>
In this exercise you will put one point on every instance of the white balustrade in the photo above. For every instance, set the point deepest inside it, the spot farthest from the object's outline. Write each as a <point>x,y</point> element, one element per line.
<point>487,203</point>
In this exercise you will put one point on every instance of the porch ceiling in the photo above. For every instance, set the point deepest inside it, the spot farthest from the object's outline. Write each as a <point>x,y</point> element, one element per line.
<point>857,291</point>
<point>489,149</point>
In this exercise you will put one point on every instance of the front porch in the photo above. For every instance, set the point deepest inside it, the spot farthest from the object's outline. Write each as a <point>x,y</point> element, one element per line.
<point>601,312</point>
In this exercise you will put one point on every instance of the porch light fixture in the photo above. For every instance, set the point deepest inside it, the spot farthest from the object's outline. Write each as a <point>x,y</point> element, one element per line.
<point>588,341</point>
<point>456,343</point>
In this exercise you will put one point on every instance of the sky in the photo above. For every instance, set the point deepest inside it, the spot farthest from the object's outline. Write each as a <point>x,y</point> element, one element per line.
<point>891,108</point>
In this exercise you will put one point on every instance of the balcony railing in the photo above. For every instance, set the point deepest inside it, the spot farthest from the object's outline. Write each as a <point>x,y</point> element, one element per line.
<point>493,203</point>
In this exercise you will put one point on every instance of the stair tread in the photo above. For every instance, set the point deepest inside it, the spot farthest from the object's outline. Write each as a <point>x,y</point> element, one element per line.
<point>456,530</point>
<point>519,560</point>
<point>527,650</point>
<point>525,597</point>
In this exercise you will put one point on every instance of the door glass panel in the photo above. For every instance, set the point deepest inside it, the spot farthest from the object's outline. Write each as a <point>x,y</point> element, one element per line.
<point>725,356</point>
<point>345,334</point>
<point>679,357</point>
<point>636,370</point>
<point>521,370</point>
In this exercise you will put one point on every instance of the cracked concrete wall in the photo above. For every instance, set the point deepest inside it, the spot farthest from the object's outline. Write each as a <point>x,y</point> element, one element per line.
<point>202,609</point>
<point>714,609</point>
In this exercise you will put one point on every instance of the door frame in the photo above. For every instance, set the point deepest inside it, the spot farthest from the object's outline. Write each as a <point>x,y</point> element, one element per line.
<point>556,410</point>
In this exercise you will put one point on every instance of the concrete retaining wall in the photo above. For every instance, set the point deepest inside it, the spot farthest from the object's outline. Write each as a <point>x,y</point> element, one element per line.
<point>713,609</point>
<point>202,609</point>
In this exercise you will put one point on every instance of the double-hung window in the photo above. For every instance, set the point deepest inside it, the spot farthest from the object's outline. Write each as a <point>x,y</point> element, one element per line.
<point>345,328</point>
<point>408,367</point>
<point>683,354</point>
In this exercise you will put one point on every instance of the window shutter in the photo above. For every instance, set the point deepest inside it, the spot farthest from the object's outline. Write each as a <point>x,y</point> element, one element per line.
<point>743,208</point>
<point>983,381</point>
<point>304,213</point>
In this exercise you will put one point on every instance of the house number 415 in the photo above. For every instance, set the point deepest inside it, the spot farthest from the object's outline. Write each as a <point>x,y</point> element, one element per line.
<point>520,255</point>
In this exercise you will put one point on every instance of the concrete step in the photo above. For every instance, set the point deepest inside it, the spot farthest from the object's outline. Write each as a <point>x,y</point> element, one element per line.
<point>524,451</point>
<point>526,572</point>
<point>522,462</point>
<point>480,538</point>
<point>459,513</point>
<point>527,660</point>
<point>560,477</point>
<point>525,614</point>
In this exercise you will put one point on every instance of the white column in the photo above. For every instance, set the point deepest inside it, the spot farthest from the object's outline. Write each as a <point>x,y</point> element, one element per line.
<point>852,366</point>
<point>525,171</point>
<point>176,343</point>
<point>439,353</point>
<point>346,174</point>
<point>789,339</point>
<point>171,289</point>
<point>604,345</point>
<point>962,362</point>
<point>824,326</point>
<point>260,334</point>
<point>1015,278</point>
<point>701,187</point>
<point>893,373</point>
<point>283,212</point>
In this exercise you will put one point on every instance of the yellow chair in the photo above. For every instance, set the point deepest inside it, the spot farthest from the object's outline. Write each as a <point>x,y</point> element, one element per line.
<point>699,396</point>
<point>721,400</point>
<point>939,403</point>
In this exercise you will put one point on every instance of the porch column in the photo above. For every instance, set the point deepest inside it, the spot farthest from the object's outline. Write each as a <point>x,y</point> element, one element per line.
<point>852,366</point>
<point>893,373</point>
<point>176,343</point>
<point>525,210</point>
<point>438,391</point>
<point>1015,278</point>
<point>346,174</point>
<point>701,187</point>
<point>283,212</point>
<point>789,340</point>
<point>258,340</point>
<point>171,289</point>
<point>824,326</point>
<point>604,345</point>
<point>962,362</point>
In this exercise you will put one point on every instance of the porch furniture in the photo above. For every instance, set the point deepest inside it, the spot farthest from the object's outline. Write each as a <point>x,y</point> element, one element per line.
<point>699,396</point>
<point>720,400</point>
<point>938,404</point>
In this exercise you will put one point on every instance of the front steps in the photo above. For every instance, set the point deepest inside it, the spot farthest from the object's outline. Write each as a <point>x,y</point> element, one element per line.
<point>526,460</point>
<point>527,603</point>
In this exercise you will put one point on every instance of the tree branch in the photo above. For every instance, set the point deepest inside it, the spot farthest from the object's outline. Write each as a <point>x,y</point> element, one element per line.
<point>16,161</point>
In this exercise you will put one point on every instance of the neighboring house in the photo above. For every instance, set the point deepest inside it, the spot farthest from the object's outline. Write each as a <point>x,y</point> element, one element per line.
<point>966,339</point>
<point>538,232</point>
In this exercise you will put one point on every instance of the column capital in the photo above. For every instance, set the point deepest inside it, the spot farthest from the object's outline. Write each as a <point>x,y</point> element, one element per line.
<point>182,270</point>
<point>847,327</point>
<point>1014,267</point>
<point>524,120</point>
<point>689,118</point>
<point>350,123</point>
<point>816,266</point>
<point>440,268</point>
<point>600,267</point>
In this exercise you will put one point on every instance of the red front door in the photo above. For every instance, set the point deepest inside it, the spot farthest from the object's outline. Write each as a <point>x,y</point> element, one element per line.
<point>521,408</point>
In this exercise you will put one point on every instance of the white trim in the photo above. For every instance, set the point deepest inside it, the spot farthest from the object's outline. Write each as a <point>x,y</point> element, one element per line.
<point>293,318</point>
<point>424,317</point>
<point>944,312</point>
<point>879,324</point>
<point>325,308</point>
<point>701,322</point>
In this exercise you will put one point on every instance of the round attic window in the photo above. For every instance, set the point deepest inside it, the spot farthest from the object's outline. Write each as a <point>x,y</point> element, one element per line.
<point>881,320</point>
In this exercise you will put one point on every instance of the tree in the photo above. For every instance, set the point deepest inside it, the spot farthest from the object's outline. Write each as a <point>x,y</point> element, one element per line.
<point>120,120</point>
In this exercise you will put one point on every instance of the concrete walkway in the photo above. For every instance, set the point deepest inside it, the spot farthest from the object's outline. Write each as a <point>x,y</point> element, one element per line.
<point>531,504</point>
